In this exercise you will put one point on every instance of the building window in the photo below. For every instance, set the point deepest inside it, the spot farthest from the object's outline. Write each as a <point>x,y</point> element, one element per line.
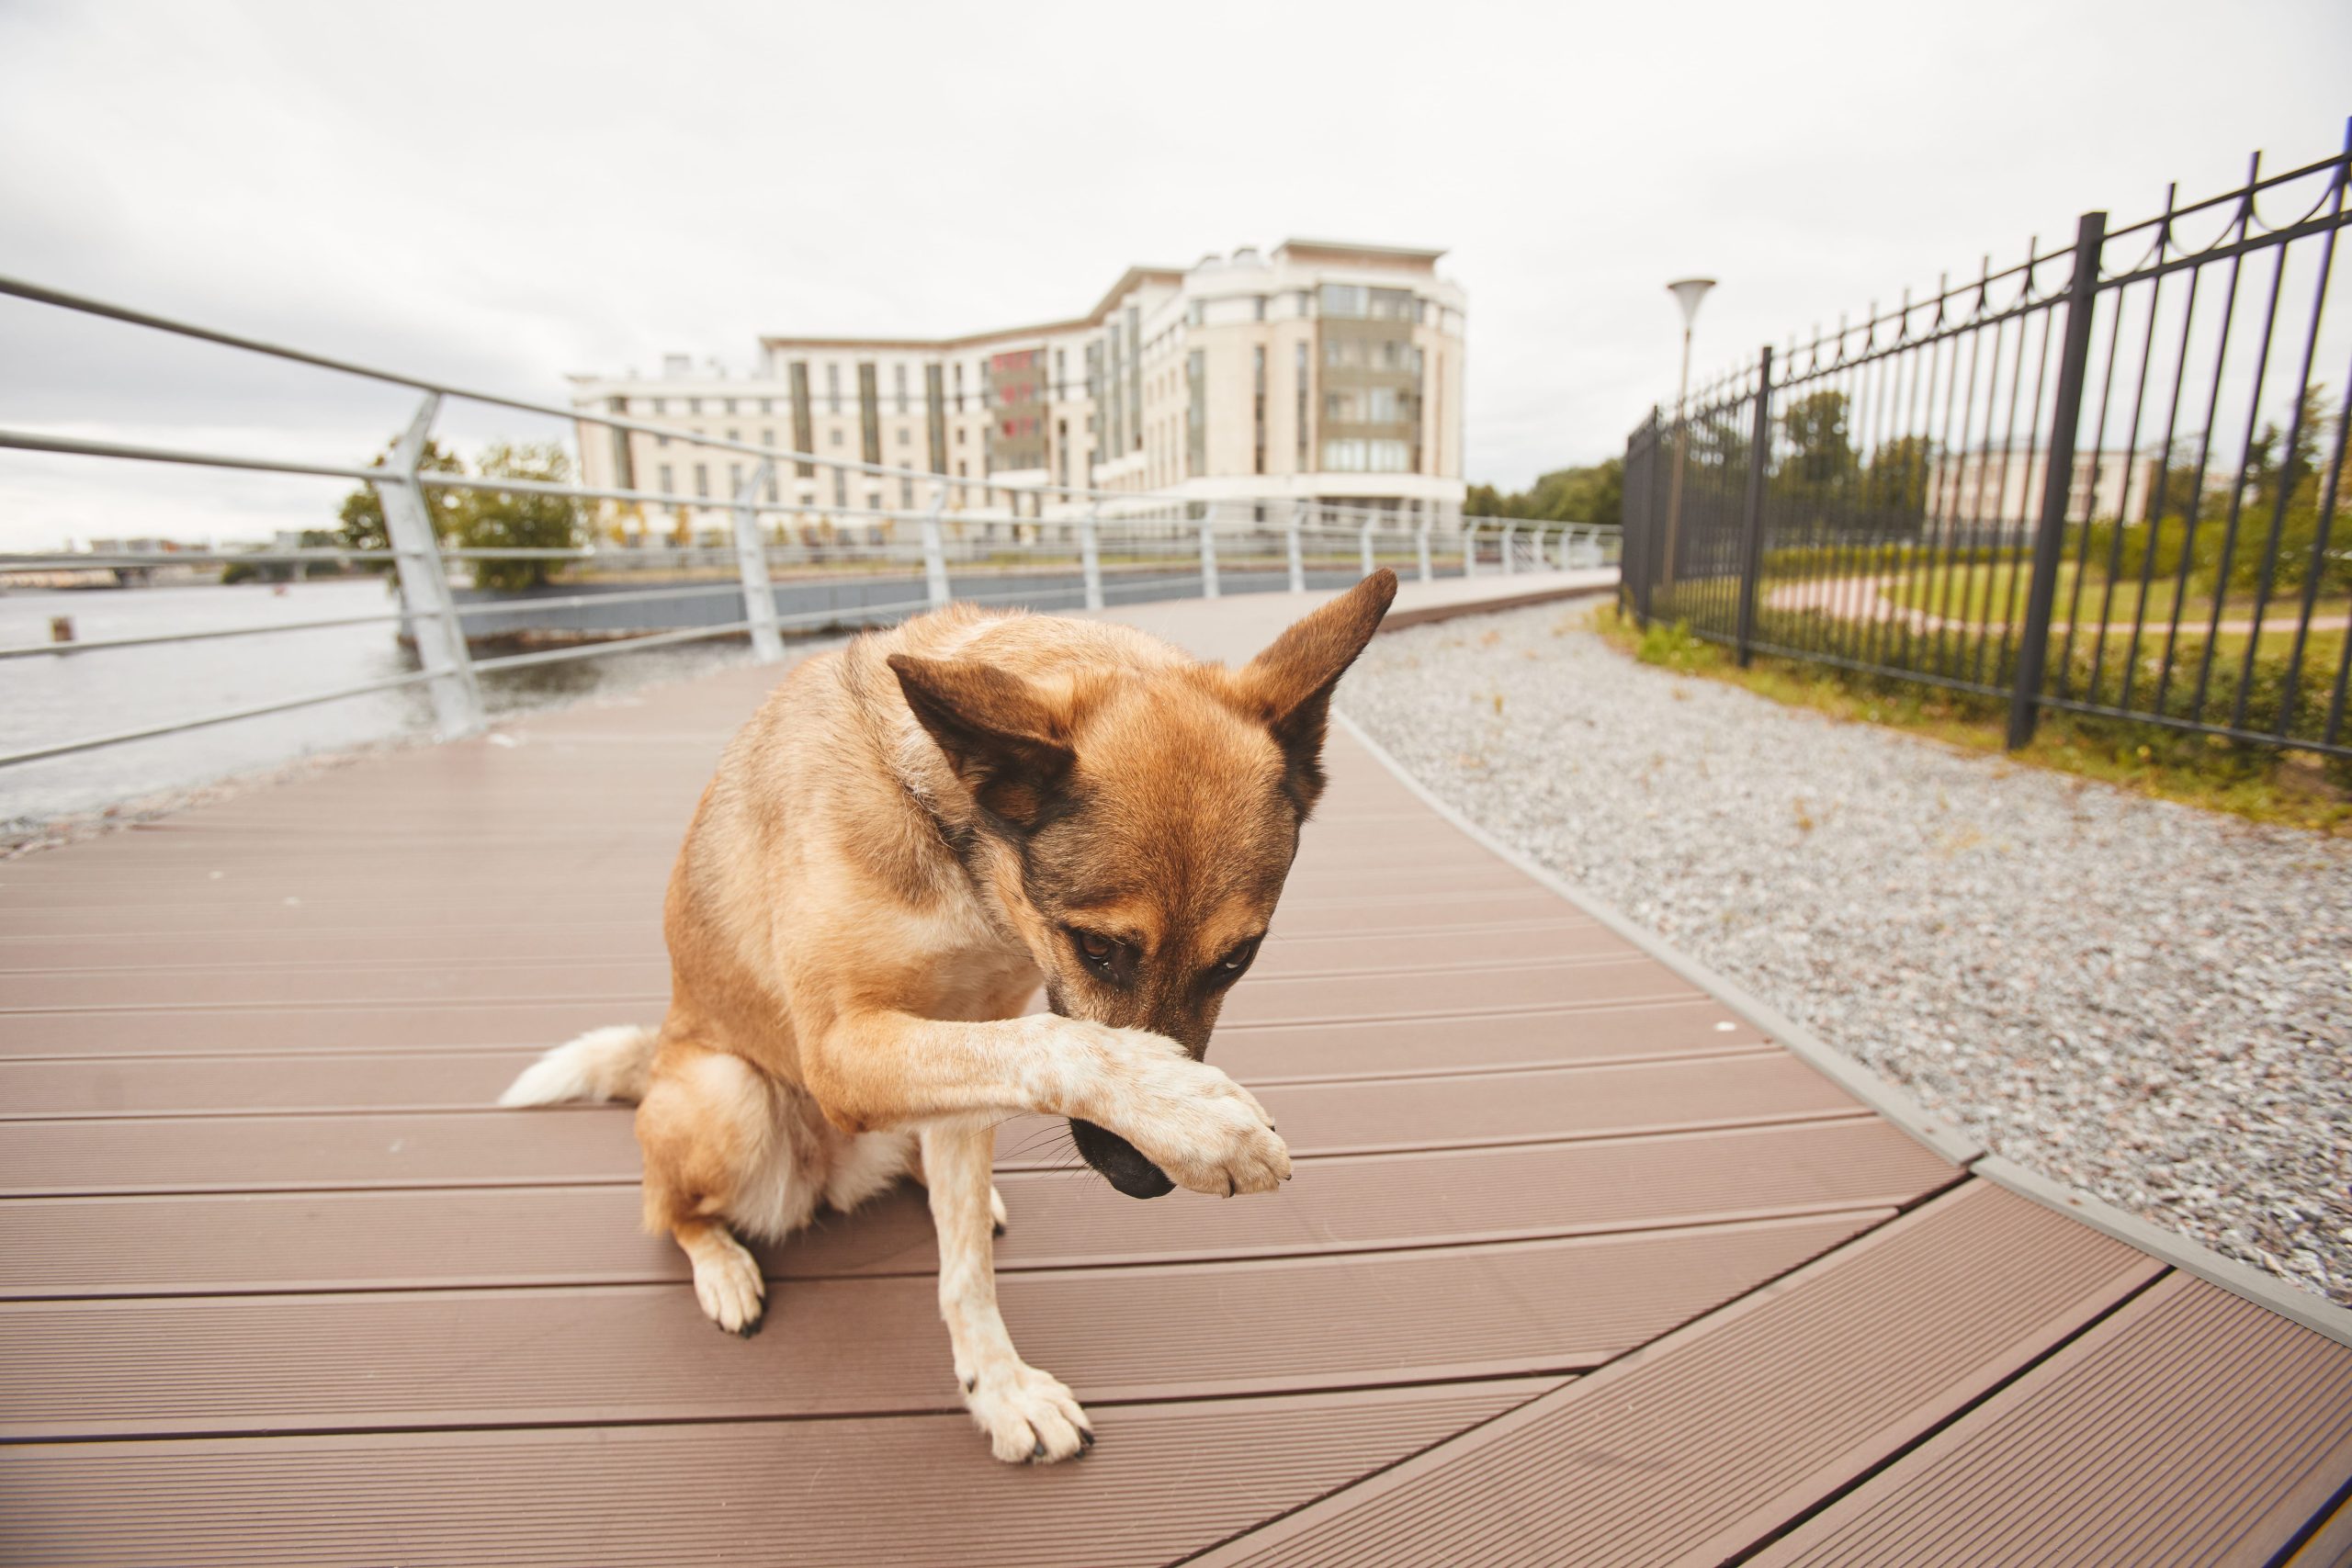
<point>1195,312</point>
<point>840,487</point>
<point>1061,373</point>
<point>669,483</point>
<point>1345,302</point>
<point>836,433</point>
<point>934,399</point>
<point>959,394</point>
<point>1258,406</point>
<point>702,478</point>
<point>1061,450</point>
<point>694,406</point>
<point>804,424</point>
<point>906,492</point>
<point>833,389</point>
<point>661,405</point>
<point>734,436</point>
<point>727,405</point>
<point>898,385</point>
<point>1302,374</point>
<point>1196,415</point>
<point>767,405</point>
<point>767,438</point>
<point>869,412</point>
<point>734,479</point>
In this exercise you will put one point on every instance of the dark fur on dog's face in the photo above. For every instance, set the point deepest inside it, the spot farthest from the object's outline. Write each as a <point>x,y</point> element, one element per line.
<point>1147,821</point>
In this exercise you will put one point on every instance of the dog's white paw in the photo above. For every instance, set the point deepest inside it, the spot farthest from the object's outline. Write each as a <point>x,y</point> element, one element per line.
<point>1030,1417</point>
<point>1206,1131</point>
<point>728,1284</point>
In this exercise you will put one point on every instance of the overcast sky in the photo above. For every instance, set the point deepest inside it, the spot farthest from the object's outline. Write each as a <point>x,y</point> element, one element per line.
<point>498,194</point>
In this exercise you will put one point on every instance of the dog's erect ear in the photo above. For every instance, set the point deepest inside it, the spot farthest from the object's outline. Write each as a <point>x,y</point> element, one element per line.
<point>1292,681</point>
<point>1004,737</point>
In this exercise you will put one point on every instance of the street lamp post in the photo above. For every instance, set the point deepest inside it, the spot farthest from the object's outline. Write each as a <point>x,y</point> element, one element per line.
<point>1687,292</point>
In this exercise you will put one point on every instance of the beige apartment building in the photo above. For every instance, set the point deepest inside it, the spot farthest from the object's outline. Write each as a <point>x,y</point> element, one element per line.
<point>1318,372</point>
<point>2001,486</point>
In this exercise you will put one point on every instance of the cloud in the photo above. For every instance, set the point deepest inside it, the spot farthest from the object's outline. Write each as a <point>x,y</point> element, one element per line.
<point>501,194</point>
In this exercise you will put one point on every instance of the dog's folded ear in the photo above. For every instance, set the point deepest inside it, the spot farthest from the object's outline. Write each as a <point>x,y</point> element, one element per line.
<point>1291,682</point>
<point>1004,737</point>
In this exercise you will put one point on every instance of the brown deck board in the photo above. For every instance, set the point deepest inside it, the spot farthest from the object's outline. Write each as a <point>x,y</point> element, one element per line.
<point>551,1235</point>
<point>1719,1434</point>
<point>1579,1265</point>
<point>2190,1428</point>
<point>841,1346</point>
<point>246,1152</point>
<point>916,1489</point>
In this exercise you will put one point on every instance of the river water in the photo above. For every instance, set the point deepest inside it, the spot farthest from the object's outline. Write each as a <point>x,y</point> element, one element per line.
<point>48,699</point>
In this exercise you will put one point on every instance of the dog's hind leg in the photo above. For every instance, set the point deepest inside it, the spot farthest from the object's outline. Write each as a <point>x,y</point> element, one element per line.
<point>721,1149</point>
<point>1026,1414</point>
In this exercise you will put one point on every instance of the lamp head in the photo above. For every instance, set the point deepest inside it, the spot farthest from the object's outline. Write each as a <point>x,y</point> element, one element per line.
<point>1688,292</point>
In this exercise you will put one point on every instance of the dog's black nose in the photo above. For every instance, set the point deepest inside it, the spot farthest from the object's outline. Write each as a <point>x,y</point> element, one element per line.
<point>1121,1163</point>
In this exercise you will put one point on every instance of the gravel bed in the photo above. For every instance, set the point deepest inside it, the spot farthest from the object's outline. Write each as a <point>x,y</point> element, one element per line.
<point>2145,1000</point>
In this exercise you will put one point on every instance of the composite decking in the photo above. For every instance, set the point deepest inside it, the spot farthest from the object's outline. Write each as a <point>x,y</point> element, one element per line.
<point>1580,1265</point>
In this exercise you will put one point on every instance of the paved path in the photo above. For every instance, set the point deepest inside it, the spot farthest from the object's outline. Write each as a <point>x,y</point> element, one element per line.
<point>1870,599</point>
<point>1582,1264</point>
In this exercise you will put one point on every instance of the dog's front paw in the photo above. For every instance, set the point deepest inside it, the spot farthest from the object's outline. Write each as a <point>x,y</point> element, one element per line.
<point>728,1284</point>
<point>1204,1130</point>
<point>1030,1417</point>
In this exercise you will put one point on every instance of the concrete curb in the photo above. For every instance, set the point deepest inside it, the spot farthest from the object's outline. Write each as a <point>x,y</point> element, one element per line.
<point>1852,1076</point>
<point>2297,1306</point>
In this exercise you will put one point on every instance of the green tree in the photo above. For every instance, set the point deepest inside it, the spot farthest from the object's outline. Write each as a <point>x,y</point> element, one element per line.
<point>1821,453</point>
<point>361,520</point>
<point>1896,479</point>
<point>1594,493</point>
<point>512,520</point>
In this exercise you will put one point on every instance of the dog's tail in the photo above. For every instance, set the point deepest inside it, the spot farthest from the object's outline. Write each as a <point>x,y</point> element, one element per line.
<point>604,1064</point>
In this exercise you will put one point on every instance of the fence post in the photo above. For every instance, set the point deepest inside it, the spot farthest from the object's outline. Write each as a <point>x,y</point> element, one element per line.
<point>1421,549</point>
<point>1363,539</point>
<point>1511,532</point>
<point>1469,549</point>
<point>1208,552</point>
<point>935,552</point>
<point>1089,554</point>
<point>1297,559</point>
<point>752,565</point>
<point>1751,514</point>
<point>424,582</point>
<point>2057,480</point>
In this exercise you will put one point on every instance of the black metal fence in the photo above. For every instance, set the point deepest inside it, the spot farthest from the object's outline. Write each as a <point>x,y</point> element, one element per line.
<point>2105,480</point>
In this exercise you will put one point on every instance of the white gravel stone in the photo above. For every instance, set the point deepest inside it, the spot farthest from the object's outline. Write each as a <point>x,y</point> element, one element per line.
<point>2145,1000</point>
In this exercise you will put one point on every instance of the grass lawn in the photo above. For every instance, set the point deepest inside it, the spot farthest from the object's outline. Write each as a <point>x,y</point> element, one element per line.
<point>2301,789</point>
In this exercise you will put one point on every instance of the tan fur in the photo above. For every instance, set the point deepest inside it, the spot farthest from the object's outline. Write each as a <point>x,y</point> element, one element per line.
<point>910,835</point>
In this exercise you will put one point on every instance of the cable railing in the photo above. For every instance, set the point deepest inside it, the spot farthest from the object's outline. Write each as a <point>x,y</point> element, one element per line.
<point>787,564</point>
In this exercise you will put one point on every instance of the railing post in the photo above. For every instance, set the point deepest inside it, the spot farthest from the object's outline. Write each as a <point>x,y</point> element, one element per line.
<point>425,580</point>
<point>1298,556</point>
<point>935,552</point>
<point>2057,481</point>
<point>1469,549</point>
<point>1208,552</point>
<point>1511,531</point>
<point>1089,554</point>
<point>1751,514</point>
<point>1536,555</point>
<point>1421,549</point>
<point>752,565</point>
<point>1365,544</point>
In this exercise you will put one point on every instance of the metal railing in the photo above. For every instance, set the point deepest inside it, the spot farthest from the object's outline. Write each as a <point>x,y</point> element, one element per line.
<point>2102,482</point>
<point>789,565</point>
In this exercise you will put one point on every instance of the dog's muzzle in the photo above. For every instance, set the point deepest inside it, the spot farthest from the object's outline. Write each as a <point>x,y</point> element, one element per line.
<point>1121,1163</point>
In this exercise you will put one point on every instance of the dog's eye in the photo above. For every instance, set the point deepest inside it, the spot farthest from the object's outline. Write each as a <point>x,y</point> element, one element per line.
<point>1233,963</point>
<point>1098,951</point>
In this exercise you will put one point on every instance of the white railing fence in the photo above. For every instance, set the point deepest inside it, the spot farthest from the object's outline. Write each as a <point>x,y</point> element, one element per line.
<point>785,565</point>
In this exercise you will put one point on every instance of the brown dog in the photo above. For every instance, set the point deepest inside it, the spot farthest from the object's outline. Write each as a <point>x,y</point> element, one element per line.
<point>910,835</point>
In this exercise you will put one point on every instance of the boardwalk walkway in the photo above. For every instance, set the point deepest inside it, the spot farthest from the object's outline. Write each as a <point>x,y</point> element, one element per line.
<point>1581,1265</point>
